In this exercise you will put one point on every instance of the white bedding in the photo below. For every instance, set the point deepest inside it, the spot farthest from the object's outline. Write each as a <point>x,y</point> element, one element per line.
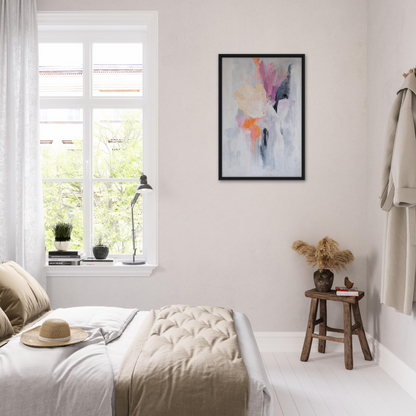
<point>80,379</point>
<point>65,381</point>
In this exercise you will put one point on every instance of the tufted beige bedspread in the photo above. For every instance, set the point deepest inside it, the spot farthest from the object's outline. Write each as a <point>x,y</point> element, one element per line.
<point>184,361</point>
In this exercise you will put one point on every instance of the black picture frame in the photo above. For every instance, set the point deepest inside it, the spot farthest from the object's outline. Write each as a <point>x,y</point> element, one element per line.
<point>220,120</point>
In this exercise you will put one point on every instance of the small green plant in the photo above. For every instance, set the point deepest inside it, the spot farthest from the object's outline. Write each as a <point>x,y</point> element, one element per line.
<point>62,231</point>
<point>100,240</point>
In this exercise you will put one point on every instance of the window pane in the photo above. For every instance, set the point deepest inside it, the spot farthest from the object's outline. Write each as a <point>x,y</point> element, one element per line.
<point>112,216</point>
<point>60,69</point>
<point>61,143</point>
<point>118,69</point>
<point>118,143</point>
<point>62,202</point>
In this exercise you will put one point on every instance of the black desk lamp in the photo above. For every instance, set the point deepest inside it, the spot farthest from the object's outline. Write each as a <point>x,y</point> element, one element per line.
<point>143,188</point>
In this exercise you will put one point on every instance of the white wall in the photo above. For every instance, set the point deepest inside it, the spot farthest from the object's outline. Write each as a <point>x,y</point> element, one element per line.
<point>391,51</point>
<point>228,243</point>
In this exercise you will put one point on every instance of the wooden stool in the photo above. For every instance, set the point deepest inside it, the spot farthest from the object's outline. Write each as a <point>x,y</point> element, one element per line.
<point>348,331</point>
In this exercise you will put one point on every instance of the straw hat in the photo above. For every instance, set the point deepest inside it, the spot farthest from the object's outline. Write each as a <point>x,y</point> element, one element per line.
<point>53,333</point>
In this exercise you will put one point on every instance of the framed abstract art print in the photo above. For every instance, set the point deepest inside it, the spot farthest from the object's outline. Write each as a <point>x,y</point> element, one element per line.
<point>262,117</point>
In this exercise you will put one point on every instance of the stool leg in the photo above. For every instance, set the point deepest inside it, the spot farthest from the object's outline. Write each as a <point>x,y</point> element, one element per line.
<point>347,336</point>
<point>309,331</point>
<point>361,333</point>
<point>322,325</point>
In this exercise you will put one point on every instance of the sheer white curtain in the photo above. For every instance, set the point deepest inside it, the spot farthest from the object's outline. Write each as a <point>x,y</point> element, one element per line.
<point>21,211</point>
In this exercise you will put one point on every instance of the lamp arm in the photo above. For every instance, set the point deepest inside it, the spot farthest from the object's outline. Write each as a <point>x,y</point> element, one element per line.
<point>133,203</point>
<point>134,200</point>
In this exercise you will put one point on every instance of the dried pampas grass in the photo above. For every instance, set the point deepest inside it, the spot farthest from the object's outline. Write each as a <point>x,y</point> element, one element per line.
<point>326,255</point>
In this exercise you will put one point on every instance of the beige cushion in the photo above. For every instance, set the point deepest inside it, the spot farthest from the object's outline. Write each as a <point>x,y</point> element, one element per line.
<point>6,329</point>
<point>22,298</point>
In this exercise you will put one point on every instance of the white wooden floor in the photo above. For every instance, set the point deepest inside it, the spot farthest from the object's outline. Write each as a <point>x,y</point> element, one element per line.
<point>323,387</point>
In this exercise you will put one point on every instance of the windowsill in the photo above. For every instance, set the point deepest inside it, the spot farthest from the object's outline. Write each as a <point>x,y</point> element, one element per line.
<point>118,270</point>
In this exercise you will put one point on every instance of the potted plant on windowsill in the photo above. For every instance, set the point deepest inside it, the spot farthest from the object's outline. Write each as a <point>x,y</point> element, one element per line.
<point>100,250</point>
<point>327,256</point>
<point>62,232</point>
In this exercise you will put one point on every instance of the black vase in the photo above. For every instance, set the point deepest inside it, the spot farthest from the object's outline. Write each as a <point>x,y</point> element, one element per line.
<point>100,252</point>
<point>323,280</point>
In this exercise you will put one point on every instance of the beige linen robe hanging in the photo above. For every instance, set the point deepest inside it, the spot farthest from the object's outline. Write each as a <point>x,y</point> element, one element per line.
<point>399,199</point>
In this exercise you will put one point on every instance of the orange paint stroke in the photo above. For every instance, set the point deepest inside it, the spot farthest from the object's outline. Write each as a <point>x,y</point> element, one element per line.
<point>251,125</point>
<point>255,130</point>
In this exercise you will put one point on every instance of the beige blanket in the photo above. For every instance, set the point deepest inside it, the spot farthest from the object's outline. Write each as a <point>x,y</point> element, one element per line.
<point>184,361</point>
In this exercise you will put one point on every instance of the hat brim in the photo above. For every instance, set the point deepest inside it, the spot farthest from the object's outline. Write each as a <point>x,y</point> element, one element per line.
<point>31,338</point>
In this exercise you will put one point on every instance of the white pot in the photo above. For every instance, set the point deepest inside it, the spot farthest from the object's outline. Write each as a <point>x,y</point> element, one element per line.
<point>62,245</point>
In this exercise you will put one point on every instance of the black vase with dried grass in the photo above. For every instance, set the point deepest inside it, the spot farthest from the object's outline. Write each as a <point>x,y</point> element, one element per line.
<point>327,256</point>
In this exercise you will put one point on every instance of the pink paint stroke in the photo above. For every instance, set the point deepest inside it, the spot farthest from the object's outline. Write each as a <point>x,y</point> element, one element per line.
<point>271,82</point>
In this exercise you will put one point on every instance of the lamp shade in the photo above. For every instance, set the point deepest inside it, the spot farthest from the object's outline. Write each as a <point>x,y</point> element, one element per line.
<point>144,187</point>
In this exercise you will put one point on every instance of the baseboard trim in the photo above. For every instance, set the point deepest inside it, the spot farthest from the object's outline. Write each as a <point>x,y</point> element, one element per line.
<point>390,363</point>
<point>400,372</point>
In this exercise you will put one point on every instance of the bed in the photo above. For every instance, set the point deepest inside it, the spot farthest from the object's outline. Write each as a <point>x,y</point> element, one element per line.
<point>179,360</point>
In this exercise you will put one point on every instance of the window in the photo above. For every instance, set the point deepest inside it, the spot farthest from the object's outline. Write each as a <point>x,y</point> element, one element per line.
<point>98,127</point>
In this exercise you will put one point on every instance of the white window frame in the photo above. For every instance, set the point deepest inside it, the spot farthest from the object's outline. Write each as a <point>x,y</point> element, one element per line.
<point>124,27</point>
